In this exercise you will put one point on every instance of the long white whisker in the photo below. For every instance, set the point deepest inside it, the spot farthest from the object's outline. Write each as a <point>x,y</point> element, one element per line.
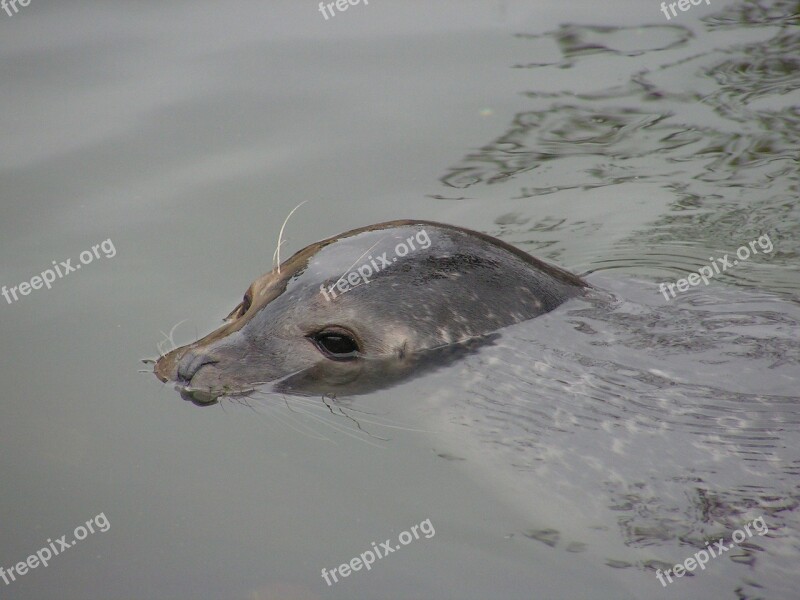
<point>276,257</point>
<point>302,429</point>
<point>340,429</point>
<point>262,408</point>
<point>300,424</point>
<point>379,424</point>
<point>168,338</point>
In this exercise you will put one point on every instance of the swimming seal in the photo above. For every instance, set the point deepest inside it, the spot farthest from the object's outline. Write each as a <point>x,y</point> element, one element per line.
<point>368,306</point>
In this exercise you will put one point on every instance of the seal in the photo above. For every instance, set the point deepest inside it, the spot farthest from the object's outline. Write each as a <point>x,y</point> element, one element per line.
<point>366,308</point>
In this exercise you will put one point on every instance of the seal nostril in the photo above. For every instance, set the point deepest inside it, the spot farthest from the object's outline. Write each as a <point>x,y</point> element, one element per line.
<point>190,363</point>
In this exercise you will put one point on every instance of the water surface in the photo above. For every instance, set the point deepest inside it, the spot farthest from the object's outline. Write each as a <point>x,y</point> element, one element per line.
<point>570,459</point>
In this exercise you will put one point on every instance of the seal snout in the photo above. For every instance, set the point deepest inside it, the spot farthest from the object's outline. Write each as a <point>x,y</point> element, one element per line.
<point>191,362</point>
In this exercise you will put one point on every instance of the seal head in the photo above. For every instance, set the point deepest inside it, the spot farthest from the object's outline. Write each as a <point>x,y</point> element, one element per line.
<point>365,308</point>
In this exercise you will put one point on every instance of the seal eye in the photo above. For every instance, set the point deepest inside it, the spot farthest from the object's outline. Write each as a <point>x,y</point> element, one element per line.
<point>336,344</point>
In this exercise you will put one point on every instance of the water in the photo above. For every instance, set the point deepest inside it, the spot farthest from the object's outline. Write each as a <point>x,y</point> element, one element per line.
<point>572,458</point>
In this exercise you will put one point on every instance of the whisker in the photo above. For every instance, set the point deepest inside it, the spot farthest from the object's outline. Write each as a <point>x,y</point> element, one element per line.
<point>168,338</point>
<point>313,435</point>
<point>398,427</point>
<point>342,430</point>
<point>356,421</point>
<point>261,408</point>
<point>276,257</point>
<point>315,405</point>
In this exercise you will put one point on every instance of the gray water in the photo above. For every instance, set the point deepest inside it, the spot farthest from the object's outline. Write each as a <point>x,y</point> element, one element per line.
<point>571,459</point>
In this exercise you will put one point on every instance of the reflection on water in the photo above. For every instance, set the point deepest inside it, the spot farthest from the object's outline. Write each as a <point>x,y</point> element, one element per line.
<point>569,458</point>
<point>643,431</point>
<point>642,428</point>
<point>662,425</point>
<point>713,119</point>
